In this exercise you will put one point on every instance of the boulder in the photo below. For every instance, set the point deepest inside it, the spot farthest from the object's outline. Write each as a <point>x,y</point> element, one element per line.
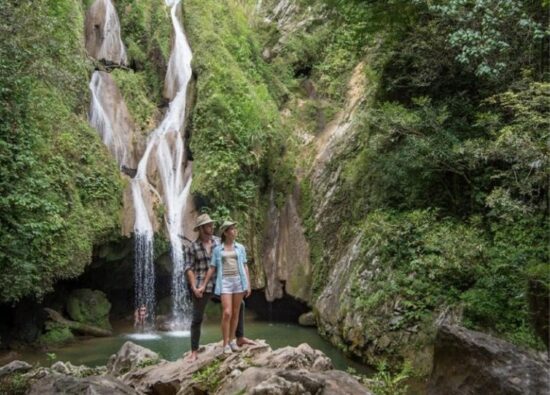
<point>69,369</point>
<point>55,383</point>
<point>307,319</point>
<point>14,367</point>
<point>89,307</point>
<point>56,334</point>
<point>130,356</point>
<point>255,369</point>
<point>470,362</point>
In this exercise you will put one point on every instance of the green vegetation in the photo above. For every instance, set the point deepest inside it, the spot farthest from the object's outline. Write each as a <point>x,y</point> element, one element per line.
<point>55,335</point>
<point>235,118</point>
<point>146,30</point>
<point>147,362</point>
<point>56,199</point>
<point>209,376</point>
<point>447,174</point>
<point>137,97</point>
<point>89,307</point>
<point>14,384</point>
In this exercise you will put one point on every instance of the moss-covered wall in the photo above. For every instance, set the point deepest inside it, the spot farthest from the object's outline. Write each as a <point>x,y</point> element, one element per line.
<point>424,172</point>
<point>236,135</point>
<point>60,190</point>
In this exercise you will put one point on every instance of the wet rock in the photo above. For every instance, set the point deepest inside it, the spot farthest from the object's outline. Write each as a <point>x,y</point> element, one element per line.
<point>470,362</point>
<point>15,367</point>
<point>102,30</point>
<point>110,116</point>
<point>307,319</point>
<point>89,307</point>
<point>129,357</point>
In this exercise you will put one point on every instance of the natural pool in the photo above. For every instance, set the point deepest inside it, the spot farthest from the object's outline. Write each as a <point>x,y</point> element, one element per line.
<point>96,351</point>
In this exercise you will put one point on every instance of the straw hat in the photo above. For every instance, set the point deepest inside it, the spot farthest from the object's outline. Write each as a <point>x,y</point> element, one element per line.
<point>225,225</point>
<point>202,219</point>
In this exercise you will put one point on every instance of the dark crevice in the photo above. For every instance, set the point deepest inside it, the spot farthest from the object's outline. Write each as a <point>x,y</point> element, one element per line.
<point>286,309</point>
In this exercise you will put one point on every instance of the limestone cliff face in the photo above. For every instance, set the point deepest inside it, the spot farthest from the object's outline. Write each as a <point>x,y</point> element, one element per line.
<point>340,268</point>
<point>286,252</point>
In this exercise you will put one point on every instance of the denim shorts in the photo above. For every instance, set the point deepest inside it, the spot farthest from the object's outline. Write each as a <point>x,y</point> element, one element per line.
<point>232,285</point>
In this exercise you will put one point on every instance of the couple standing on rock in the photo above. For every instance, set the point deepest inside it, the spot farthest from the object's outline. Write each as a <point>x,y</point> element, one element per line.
<point>224,261</point>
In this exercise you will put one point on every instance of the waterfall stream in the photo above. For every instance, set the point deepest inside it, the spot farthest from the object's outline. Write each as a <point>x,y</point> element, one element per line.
<point>168,181</point>
<point>102,121</point>
<point>167,144</point>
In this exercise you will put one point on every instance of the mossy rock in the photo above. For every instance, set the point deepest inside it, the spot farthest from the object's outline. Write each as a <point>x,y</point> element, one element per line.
<point>89,307</point>
<point>56,335</point>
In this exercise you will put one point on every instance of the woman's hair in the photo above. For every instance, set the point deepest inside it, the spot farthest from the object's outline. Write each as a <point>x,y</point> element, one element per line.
<point>223,233</point>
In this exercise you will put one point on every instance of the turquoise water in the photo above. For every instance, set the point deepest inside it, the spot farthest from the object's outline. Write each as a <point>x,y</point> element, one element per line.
<point>96,351</point>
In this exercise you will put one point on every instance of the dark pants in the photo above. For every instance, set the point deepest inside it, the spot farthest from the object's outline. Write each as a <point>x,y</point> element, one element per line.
<point>199,305</point>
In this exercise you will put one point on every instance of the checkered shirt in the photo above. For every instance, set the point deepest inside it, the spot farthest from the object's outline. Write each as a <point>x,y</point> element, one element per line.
<point>198,260</point>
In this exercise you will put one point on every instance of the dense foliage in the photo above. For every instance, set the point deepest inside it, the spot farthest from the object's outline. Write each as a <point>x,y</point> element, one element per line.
<point>447,177</point>
<point>56,197</point>
<point>236,135</point>
<point>460,128</point>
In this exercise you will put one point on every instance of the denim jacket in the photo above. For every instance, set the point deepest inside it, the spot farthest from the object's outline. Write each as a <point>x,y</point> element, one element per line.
<point>217,262</point>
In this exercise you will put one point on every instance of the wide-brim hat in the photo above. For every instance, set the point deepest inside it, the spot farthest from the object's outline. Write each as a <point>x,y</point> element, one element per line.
<point>225,225</point>
<point>202,219</point>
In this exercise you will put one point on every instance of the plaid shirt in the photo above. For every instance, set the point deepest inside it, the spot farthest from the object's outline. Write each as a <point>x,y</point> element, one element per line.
<point>198,260</point>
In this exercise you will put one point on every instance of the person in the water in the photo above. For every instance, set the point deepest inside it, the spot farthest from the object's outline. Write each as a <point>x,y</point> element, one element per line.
<point>140,316</point>
<point>232,281</point>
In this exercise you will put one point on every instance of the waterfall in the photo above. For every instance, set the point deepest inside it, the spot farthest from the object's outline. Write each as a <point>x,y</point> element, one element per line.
<point>111,48</point>
<point>102,120</point>
<point>166,143</point>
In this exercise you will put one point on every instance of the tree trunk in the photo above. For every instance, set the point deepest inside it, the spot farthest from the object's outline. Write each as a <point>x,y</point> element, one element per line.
<point>85,329</point>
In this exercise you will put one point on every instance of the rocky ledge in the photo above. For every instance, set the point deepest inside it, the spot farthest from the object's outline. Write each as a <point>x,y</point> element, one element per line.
<point>136,370</point>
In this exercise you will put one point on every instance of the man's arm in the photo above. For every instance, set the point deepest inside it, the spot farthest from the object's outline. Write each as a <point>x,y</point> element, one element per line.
<point>188,269</point>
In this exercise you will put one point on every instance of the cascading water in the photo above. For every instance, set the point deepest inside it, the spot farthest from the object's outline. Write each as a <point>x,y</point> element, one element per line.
<point>102,122</point>
<point>112,47</point>
<point>168,146</point>
<point>165,143</point>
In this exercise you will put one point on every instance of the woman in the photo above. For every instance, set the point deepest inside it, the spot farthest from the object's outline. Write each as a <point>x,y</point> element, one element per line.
<point>232,281</point>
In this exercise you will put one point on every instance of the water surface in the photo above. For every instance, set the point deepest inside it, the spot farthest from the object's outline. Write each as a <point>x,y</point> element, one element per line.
<point>171,346</point>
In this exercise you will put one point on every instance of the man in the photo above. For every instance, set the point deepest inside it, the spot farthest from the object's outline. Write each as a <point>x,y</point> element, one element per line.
<point>197,260</point>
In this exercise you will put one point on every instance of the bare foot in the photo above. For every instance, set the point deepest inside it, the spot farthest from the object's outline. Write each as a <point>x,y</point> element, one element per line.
<point>193,357</point>
<point>241,341</point>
